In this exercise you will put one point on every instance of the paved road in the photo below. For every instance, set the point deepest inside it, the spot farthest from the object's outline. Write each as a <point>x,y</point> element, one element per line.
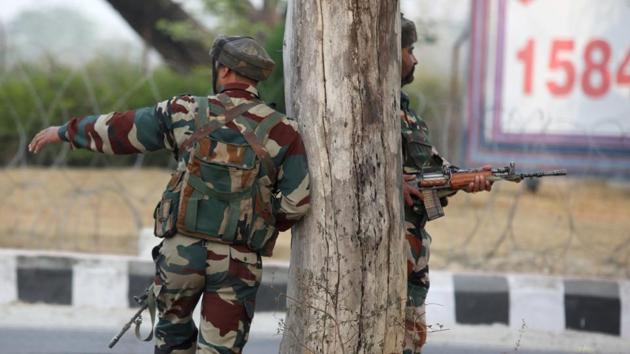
<point>45,329</point>
<point>86,341</point>
<point>49,341</point>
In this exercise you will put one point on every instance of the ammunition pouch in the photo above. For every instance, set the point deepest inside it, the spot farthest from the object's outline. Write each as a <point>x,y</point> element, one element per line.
<point>165,213</point>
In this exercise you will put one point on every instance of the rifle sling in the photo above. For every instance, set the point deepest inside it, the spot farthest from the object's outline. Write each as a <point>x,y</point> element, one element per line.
<point>150,305</point>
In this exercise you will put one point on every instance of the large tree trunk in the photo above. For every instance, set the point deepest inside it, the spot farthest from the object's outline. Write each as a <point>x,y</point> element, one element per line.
<point>347,278</point>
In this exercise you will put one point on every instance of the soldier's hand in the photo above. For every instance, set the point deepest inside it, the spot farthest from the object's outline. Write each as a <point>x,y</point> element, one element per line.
<point>409,191</point>
<point>480,183</point>
<point>46,136</point>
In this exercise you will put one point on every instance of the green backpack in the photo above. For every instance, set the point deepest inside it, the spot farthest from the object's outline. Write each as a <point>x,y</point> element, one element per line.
<point>225,192</point>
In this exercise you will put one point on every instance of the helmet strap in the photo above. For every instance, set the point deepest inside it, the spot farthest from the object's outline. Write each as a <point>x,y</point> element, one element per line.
<point>216,52</point>
<point>214,76</point>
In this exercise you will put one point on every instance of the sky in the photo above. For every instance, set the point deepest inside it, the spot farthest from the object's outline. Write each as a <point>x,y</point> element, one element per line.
<point>450,14</point>
<point>104,14</point>
<point>98,11</point>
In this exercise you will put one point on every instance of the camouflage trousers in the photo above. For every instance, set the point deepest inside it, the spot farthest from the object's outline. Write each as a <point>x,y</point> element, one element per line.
<point>224,277</point>
<point>417,248</point>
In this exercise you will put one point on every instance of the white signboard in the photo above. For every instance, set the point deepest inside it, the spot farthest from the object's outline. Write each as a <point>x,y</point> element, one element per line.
<point>550,84</point>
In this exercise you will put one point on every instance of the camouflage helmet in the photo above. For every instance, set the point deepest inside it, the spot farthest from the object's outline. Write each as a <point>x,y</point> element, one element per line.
<point>243,55</point>
<point>408,35</point>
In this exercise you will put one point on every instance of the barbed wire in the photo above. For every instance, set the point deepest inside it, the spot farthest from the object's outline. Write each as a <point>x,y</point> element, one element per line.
<point>589,235</point>
<point>569,226</point>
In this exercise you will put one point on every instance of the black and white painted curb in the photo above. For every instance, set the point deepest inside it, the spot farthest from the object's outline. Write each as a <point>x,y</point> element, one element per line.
<point>538,302</point>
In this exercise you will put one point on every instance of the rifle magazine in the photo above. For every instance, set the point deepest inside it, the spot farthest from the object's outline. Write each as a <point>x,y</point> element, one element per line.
<point>432,204</point>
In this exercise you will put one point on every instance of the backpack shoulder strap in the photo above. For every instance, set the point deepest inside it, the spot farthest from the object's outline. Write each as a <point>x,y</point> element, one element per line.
<point>265,126</point>
<point>225,101</point>
<point>262,154</point>
<point>257,138</point>
<point>202,111</point>
<point>212,125</point>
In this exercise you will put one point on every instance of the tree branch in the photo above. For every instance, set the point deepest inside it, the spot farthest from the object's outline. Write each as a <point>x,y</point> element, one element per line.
<point>180,54</point>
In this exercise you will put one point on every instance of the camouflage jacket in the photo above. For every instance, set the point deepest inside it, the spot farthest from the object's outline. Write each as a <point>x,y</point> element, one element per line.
<point>169,123</point>
<point>418,154</point>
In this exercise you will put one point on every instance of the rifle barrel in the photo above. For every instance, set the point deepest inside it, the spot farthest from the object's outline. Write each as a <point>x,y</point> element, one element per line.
<point>116,338</point>
<point>544,173</point>
<point>127,325</point>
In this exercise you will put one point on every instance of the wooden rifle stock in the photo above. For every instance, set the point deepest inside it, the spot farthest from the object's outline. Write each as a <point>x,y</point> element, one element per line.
<point>436,185</point>
<point>461,180</point>
<point>457,180</point>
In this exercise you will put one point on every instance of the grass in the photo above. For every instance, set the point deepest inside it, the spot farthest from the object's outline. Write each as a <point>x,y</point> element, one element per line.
<point>571,226</point>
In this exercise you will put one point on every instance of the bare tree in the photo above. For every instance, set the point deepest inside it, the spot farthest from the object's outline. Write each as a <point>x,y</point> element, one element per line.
<point>270,12</point>
<point>342,69</point>
<point>180,53</point>
<point>190,48</point>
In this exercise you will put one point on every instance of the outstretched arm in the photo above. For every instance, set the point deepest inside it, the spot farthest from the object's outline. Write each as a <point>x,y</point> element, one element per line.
<point>115,133</point>
<point>46,136</point>
<point>119,133</point>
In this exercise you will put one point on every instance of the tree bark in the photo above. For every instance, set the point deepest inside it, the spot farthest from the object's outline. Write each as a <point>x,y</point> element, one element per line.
<point>180,54</point>
<point>347,277</point>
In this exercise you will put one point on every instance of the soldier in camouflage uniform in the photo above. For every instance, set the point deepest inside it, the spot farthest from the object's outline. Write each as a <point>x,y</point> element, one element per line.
<point>223,269</point>
<point>418,156</point>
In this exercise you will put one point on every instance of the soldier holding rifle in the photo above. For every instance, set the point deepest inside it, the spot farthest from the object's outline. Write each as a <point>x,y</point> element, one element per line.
<point>428,180</point>
<point>418,156</point>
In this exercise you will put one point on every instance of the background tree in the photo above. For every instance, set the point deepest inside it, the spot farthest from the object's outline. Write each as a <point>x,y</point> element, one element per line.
<point>242,16</point>
<point>346,287</point>
<point>181,53</point>
<point>184,42</point>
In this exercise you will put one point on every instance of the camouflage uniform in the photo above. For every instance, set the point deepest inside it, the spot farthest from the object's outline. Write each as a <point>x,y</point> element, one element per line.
<point>226,277</point>
<point>418,156</point>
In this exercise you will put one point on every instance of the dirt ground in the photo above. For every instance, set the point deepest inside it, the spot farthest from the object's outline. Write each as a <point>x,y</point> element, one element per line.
<point>570,226</point>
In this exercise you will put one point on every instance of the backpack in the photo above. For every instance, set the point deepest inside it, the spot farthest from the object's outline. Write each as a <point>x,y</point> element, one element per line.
<point>225,192</point>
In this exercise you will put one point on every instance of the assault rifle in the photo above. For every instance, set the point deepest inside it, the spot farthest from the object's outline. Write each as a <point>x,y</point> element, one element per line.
<point>146,301</point>
<point>436,185</point>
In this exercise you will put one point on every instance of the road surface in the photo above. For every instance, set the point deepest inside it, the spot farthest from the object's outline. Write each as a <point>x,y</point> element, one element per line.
<point>46,329</point>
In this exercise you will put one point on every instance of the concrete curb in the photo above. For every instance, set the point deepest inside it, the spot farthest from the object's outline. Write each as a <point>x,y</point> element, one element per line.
<point>538,302</point>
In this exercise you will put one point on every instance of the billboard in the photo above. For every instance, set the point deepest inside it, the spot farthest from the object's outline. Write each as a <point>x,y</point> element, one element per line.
<point>549,85</point>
